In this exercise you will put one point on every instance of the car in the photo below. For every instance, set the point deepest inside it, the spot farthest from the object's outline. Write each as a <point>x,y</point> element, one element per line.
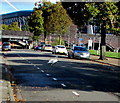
<point>79,52</point>
<point>39,47</point>
<point>61,49</point>
<point>6,46</point>
<point>47,47</point>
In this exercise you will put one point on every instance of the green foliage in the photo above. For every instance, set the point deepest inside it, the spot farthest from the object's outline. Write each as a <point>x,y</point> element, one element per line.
<point>3,27</point>
<point>77,11</point>
<point>35,23</point>
<point>58,21</point>
<point>108,54</point>
<point>14,26</point>
<point>25,27</point>
<point>57,42</point>
<point>35,38</point>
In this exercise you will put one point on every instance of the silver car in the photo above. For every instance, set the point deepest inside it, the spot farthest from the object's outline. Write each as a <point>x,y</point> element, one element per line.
<point>79,52</point>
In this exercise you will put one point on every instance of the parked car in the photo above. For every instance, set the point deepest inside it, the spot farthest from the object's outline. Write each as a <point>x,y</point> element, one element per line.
<point>61,49</point>
<point>47,47</point>
<point>79,52</point>
<point>6,46</point>
<point>39,47</point>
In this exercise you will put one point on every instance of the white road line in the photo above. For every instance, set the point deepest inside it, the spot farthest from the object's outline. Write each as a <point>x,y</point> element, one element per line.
<point>42,71</point>
<point>38,68</point>
<point>75,93</point>
<point>34,65</point>
<point>63,85</point>
<point>54,78</point>
<point>29,61</point>
<point>47,74</point>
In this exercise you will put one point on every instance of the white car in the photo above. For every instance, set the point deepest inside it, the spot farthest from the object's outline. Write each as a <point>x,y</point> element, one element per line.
<point>47,47</point>
<point>61,49</point>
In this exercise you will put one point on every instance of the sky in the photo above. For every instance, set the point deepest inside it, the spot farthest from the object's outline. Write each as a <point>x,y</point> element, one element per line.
<point>8,6</point>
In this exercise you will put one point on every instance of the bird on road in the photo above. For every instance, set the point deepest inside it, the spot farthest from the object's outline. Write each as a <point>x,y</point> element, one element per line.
<point>53,61</point>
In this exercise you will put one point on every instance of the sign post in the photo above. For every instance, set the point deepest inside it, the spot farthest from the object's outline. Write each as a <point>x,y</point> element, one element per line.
<point>90,44</point>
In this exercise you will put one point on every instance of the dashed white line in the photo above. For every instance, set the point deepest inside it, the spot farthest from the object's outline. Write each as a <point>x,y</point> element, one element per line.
<point>38,68</point>
<point>29,62</point>
<point>42,71</point>
<point>54,78</point>
<point>75,93</point>
<point>47,74</point>
<point>63,85</point>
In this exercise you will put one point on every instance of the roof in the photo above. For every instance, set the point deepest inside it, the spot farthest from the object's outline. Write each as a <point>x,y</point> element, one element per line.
<point>17,14</point>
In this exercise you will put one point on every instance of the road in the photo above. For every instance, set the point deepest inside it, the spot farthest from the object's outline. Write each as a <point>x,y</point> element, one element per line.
<point>67,80</point>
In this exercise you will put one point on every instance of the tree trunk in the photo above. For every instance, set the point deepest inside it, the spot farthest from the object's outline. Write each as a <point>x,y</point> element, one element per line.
<point>45,37</point>
<point>60,39</point>
<point>103,41</point>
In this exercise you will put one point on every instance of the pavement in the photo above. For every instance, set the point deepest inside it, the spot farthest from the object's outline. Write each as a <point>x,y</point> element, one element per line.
<point>109,61</point>
<point>6,91</point>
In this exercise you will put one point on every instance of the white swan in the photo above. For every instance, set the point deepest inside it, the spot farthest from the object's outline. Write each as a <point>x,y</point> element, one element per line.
<point>53,61</point>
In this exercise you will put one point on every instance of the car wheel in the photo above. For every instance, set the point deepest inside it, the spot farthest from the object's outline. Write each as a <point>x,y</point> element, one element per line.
<point>70,56</point>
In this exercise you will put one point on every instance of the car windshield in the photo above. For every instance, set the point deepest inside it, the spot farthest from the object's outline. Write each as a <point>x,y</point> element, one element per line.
<point>79,48</point>
<point>60,46</point>
<point>48,45</point>
<point>5,44</point>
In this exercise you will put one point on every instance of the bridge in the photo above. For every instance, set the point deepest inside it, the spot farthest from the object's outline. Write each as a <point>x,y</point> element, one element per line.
<point>19,38</point>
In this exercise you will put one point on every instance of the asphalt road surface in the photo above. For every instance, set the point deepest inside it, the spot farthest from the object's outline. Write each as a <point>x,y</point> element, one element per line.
<point>67,80</point>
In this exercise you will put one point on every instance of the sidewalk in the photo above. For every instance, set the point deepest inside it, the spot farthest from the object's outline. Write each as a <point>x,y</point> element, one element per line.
<point>6,93</point>
<point>109,61</point>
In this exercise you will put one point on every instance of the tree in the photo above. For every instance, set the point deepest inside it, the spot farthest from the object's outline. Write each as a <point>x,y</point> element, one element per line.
<point>3,27</point>
<point>35,23</point>
<point>25,27</point>
<point>14,26</point>
<point>58,22</point>
<point>105,14</point>
<point>56,19</point>
<point>45,7</point>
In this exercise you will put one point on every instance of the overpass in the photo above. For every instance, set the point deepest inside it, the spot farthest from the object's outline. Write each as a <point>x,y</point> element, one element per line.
<point>20,38</point>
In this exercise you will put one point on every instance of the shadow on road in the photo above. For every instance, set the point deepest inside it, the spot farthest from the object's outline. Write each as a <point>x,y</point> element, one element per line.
<point>80,76</point>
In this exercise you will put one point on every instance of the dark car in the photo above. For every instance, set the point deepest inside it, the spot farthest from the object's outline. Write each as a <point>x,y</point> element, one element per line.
<point>6,46</point>
<point>79,52</point>
<point>39,47</point>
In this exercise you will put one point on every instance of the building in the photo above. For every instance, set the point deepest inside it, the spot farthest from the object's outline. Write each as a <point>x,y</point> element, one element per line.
<point>18,16</point>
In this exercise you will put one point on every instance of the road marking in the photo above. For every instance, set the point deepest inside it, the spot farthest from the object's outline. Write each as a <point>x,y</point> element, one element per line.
<point>42,71</point>
<point>63,85</point>
<point>38,68</point>
<point>47,74</point>
<point>29,61</point>
<point>54,78</point>
<point>75,93</point>
<point>34,65</point>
